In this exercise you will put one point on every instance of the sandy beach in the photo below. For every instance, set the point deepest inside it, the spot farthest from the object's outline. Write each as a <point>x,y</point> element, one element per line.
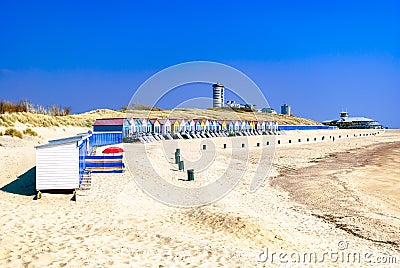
<point>323,195</point>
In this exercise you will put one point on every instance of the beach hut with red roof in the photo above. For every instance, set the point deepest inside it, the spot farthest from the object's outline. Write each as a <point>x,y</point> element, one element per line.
<point>122,125</point>
<point>165,125</point>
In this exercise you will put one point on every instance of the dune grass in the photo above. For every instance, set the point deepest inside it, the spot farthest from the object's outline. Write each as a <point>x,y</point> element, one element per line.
<point>87,119</point>
<point>13,133</point>
<point>30,132</point>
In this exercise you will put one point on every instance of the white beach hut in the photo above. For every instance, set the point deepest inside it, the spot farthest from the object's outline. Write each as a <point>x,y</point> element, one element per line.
<point>263,126</point>
<point>60,163</point>
<point>165,126</point>
<point>237,125</point>
<point>183,125</point>
<point>213,125</point>
<point>207,125</point>
<point>191,125</point>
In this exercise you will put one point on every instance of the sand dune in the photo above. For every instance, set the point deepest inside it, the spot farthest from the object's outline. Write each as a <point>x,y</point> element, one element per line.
<point>87,119</point>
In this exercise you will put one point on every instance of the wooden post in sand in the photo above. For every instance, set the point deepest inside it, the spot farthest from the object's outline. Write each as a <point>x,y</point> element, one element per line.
<point>190,173</point>
<point>181,165</point>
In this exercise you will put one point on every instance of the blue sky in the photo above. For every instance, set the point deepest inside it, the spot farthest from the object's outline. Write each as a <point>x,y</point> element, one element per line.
<point>317,56</point>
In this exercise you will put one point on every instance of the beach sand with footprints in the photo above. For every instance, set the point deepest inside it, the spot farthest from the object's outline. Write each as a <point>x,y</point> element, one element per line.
<point>322,195</point>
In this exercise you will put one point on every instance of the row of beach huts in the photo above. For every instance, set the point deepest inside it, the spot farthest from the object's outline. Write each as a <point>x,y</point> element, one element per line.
<point>68,163</point>
<point>147,130</point>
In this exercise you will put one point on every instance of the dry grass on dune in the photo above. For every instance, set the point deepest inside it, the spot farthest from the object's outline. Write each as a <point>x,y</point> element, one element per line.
<point>42,120</point>
<point>87,119</point>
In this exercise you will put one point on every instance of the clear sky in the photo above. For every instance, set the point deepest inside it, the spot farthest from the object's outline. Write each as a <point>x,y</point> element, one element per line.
<point>318,56</point>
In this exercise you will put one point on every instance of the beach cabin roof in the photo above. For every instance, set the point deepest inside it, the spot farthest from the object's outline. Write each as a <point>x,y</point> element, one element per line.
<point>109,122</point>
<point>163,121</point>
<point>76,138</point>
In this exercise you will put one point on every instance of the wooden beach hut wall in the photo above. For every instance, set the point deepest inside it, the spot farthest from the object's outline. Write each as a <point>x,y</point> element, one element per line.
<point>107,131</point>
<point>247,125</point>
<point>262,125</point>
<point>175,126</point>
<point>149,128</point>
<point>104,138</point>
<point>209,125</point>
<point>237,125</point>
<point>144,125</point>
<point>253,125</point>
<point>213,125</point>
<point>268,126</point>
<point>275,126</point>
<point>224,125</point>
<point>197,125</point>
<point>231,126</point>
<point>121,125</point>
<point>138,125</point>
<point>60,164</point>
<point>165,126</point>
<point>156,126</point>
<point>132,125</point>
<point>202,124</point>
<point>183,125</point>
<point>191,125</point>
<point>242,125</point>
<point>127,128</point>
<point>218,125</point>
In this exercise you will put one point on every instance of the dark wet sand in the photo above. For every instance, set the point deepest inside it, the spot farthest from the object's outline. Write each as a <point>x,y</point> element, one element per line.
<point>358,191</point>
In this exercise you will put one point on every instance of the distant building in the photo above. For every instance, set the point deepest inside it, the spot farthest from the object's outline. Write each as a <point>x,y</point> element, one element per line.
<point>285,109</point>
<point>218,95</point>
<point>352,122</point>
<point>268,110</point>
<point>233,104</point>
<point>251,106</point>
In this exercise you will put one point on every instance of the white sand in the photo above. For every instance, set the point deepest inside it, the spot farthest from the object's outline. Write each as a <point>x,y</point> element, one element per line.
<point>116,224</point>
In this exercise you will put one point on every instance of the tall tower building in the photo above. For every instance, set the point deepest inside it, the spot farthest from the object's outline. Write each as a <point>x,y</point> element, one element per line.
<point>218,95</point>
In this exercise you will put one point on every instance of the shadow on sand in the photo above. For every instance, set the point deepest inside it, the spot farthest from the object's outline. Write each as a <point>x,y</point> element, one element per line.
<point>23,185</point>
